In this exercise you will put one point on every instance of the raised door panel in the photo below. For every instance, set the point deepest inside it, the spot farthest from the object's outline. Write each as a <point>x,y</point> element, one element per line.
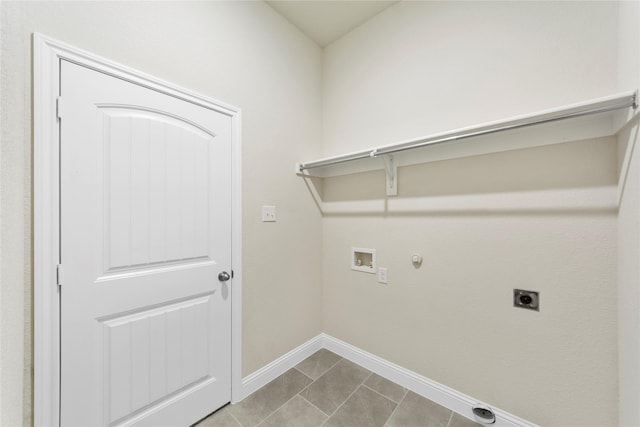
<point>157,186</point>
<point>151,355</point>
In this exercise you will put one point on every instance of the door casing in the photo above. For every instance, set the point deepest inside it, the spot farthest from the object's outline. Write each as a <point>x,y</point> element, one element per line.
<point>47,54</point>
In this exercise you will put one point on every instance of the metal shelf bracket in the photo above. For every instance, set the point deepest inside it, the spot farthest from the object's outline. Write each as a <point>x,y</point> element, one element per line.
<point>391,170</point>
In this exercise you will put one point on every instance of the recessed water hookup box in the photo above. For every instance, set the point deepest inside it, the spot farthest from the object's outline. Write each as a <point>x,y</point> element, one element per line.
<point>363,259</point>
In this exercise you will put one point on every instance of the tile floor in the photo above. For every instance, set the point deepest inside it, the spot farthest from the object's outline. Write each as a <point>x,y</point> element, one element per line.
<point>327,390</point>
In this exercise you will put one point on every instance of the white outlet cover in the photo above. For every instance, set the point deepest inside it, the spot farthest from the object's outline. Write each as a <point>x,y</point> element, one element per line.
<point>382,275</point>
<point>268,214</point>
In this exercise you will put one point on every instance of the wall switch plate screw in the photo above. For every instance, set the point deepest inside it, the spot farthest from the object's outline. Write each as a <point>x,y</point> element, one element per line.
<point>526,299</point>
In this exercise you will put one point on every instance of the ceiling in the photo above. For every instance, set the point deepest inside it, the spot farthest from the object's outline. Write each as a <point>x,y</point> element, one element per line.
<point>324,21</point>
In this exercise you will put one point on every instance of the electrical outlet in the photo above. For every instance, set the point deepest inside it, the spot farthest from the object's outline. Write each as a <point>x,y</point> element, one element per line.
<point>382,276</point>
<point>526,299</point>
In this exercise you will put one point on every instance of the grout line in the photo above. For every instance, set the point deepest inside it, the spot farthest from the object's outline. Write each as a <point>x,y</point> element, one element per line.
<point>349,397</point>
<point>307,386</point>
<point>311,403</point>
<point>330,367</point>
<point>292,397</point>
<point>396,408</point>
<point>311,379</point>
<point>320,376</point>
<point>280,407</point>
<point>406,390</point>
<point>377,392</point>
<point>289,400</point>
<point>340,406</point>
<point>385,397</point>
<point>368,376</point>
<point>450,418</point>
<point>235,419</point>
<point>303,390</point>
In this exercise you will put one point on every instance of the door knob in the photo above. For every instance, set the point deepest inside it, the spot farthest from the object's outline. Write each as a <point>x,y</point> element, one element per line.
<point>224,276</point>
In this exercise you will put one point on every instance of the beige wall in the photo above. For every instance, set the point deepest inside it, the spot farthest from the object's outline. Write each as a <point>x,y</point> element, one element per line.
<point>415,69</point>
<point>424,67</point>
<point>242,53</point>
<point>629,224</point>
<point>629,283</point>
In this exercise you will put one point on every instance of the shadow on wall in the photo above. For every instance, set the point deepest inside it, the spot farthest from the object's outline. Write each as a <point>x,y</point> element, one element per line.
<point>628,140</point>
<point>576,177</point>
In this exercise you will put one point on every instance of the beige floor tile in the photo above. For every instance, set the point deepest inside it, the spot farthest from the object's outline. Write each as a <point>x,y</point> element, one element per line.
<point>295,413</point>
<point>460,421</point>
<point>386,388</point>
<point>416,411</point>
<point>334,387</point>
<point>265,401</point>
<point>318,363</point>
<point>365,408</point>
<point>220,418</point>
<point>343,395</point>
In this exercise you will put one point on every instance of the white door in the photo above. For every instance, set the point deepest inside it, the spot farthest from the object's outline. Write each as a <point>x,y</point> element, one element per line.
<point>145,233</point>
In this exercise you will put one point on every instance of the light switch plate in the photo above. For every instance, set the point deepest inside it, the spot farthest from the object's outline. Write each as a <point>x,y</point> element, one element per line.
<point>268,214</point>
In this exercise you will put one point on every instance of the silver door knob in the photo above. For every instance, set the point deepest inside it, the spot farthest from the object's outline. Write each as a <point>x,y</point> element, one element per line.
<point>224,276</point>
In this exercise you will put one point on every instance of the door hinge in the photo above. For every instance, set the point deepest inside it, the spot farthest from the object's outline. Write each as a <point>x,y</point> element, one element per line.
<point>59,274</point>
<point>59,107</point>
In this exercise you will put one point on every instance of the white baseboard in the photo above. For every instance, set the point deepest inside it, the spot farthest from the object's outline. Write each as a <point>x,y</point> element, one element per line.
<point>273,370</point>
<point>441,394</point>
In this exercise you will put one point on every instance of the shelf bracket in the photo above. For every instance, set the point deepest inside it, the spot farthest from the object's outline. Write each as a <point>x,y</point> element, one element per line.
<point>392,175</point>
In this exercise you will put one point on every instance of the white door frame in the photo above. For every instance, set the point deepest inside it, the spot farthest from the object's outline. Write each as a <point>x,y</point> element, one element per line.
<point>47,55</point>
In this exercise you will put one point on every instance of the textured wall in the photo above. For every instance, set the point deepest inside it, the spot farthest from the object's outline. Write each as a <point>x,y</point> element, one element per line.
<point>629,282</point>
<point>417,68</point>
<point>242,53</point>
<point>423,67</point>
<point>629,223</point>
<point>485,224</point>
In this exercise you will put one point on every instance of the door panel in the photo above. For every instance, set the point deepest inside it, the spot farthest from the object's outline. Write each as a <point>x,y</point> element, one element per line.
<point>145,230</point>
<point>154,353</point>
<point>148,161</point>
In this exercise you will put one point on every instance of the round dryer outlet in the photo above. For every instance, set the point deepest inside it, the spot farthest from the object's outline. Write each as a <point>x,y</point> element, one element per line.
<point>483,414</point>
